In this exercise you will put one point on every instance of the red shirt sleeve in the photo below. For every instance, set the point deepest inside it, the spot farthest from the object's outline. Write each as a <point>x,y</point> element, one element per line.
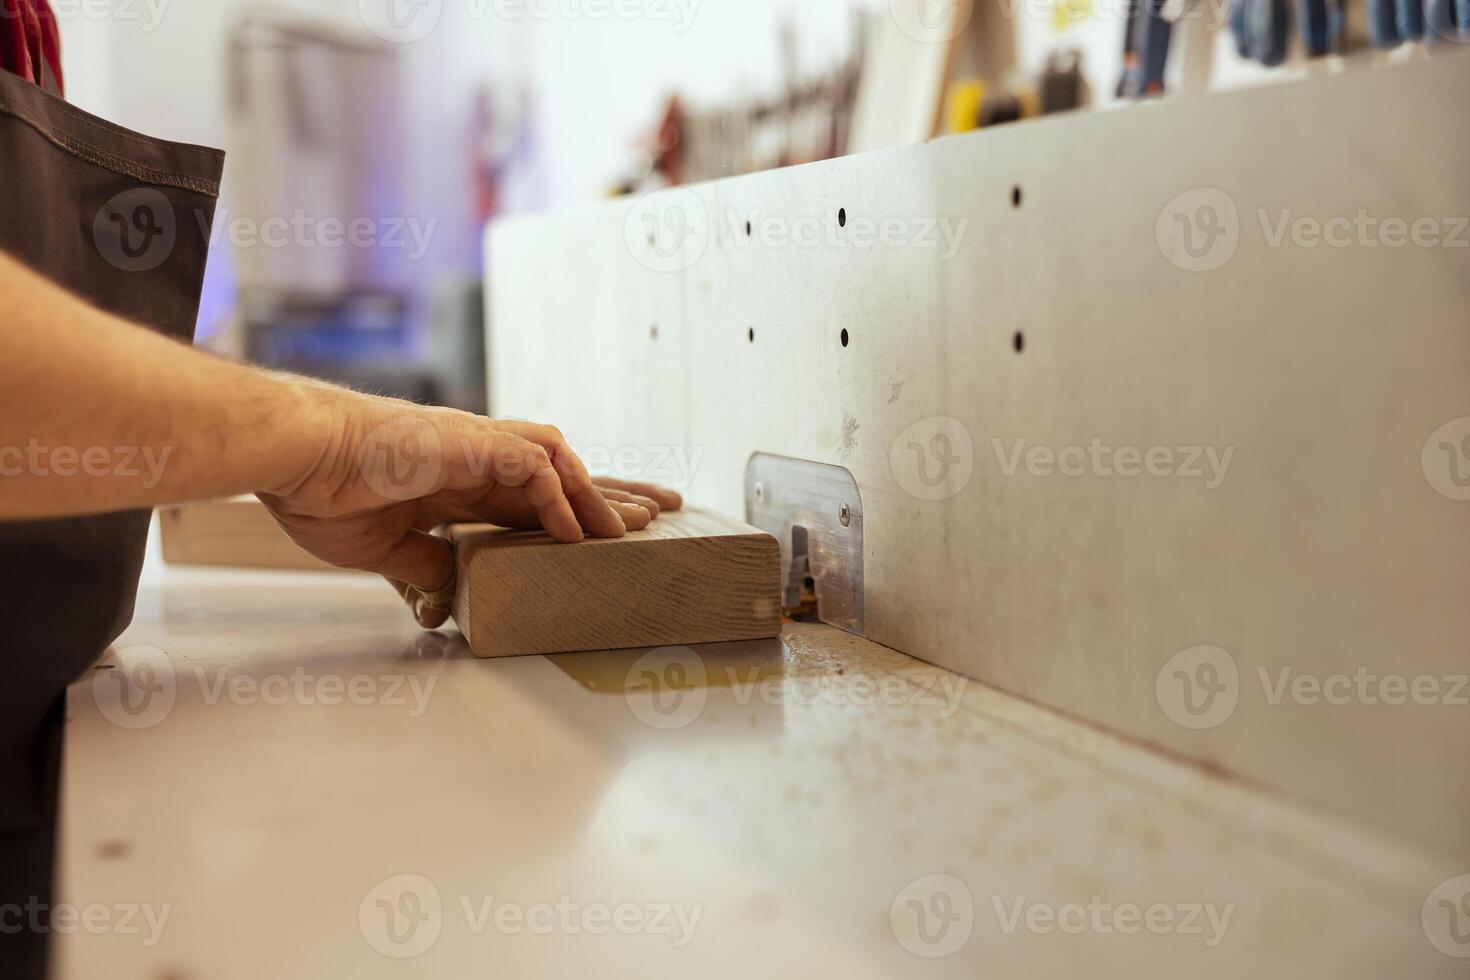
<point>30,45</point>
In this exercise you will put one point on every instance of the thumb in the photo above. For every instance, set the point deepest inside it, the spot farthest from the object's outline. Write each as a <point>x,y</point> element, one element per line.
<point>418,559</point>
<point>426,606</point>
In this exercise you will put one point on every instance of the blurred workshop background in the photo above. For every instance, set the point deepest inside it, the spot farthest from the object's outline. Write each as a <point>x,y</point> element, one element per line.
<point>370,140</point>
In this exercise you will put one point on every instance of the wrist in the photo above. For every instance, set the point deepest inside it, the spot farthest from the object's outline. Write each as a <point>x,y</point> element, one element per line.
<point>308,419</point>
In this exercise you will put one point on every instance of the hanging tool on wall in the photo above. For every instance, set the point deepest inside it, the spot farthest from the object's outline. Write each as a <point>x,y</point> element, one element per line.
<point>1320,24</point>
<point>1130,50</point>
<point>1261,29</point>
<point>1062,85</point>
<point>1145,49</point>
<point>1409,19</point>
<point>975,105</point>
<point>1383,30</point>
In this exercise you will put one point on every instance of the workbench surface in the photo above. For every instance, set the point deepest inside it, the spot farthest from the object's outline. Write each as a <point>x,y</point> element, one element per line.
<point>306,785</point>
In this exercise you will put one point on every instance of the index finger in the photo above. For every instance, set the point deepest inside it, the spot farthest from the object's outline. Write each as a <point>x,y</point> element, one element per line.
<point>493,457</point>
<point>592,510</point>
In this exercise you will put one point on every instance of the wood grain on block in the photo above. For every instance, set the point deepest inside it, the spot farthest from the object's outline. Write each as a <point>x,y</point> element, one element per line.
<point>237,533</point>
<point>689,577</point>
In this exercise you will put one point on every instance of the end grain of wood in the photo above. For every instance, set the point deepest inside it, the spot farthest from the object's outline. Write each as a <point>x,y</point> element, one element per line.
<point>689,577</point>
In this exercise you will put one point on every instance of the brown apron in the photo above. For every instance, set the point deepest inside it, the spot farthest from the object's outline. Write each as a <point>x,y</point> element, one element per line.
<point>123,222</point>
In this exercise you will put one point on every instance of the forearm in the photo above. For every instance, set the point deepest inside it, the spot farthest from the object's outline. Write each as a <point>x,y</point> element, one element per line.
<point>97,414</point>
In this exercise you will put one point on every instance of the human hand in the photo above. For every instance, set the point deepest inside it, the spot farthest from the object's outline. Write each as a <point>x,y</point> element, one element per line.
<point>388,471</point>
<point>637,503</point>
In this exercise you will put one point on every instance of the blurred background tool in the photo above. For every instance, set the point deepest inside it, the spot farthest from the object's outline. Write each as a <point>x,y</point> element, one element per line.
<point>1320,23</point>
<point>1409,19</point>
<point>1383,24</point>
<point>974,103</point>
<point>1262,30</point>
<point>1147,48</point>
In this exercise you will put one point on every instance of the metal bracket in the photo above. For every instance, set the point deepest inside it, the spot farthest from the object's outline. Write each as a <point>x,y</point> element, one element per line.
<point>816,513</point>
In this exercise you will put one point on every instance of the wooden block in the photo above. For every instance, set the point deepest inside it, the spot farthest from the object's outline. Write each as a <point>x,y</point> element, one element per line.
<point>689,577</point>
<point>238,532</point>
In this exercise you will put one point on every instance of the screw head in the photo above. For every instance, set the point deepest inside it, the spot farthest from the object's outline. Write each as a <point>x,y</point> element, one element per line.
<point>844,515</point>
<point>760,491</point>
